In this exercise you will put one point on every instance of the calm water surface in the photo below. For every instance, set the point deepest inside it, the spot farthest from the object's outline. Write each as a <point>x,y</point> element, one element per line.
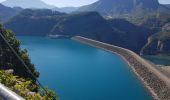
<point>159,60</point>
<point>80,72</point>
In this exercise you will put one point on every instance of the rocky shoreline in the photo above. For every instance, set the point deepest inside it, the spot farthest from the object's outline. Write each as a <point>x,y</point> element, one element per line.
<point>156,82</point>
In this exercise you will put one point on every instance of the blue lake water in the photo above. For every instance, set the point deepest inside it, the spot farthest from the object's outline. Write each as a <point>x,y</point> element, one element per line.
<point>80,72</point>
<point>159,60</point>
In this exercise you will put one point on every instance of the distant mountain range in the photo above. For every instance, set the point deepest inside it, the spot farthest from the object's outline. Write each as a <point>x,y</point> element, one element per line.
<point>34,22</point>
<point>27,4</point>
<point>37,4</point>
<point>7,12</point>
<point>65,9</point>
<point>146,21</point>
<point>141,12</point>
<point>88,24</point>
<point>121,7</point>
<point>167,5</point>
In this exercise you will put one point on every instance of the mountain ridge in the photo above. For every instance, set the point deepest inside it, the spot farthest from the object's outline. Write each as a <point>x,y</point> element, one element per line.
<point>65,9</point>
<point>7,12</point>
<point>109,7</point>
<point>167,5</point>
<point>27,4</point>
<point>87,24</point>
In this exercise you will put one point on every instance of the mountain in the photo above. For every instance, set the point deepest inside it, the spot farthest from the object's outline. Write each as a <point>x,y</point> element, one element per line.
<point>158,43</point>
<point>7,12</point>
<point>167,5</point>
<point>34,22</point>
<point>87,24</point>
<point>27,4</point>
<point>135,11</point>
<point>66,9</point>
<point>119,7</point>
<point>134,36</point>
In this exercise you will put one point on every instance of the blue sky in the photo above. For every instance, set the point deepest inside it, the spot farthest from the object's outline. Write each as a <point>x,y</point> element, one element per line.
<point>64,3</point>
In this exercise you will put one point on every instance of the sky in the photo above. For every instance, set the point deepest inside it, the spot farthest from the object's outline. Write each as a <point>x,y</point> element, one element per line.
<point>76,3</point>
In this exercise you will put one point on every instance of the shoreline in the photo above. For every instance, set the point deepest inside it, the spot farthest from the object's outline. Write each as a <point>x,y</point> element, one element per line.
<point>145,85</point>
<point>140,70</point>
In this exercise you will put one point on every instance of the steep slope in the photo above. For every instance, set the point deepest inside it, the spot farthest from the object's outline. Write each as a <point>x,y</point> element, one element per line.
<point>7,12</point>
<point>66,9</point>
<point>88,24</point>
<point>148,13</point>
<point>118,32</point>
<point>33,22</point>
<point>158,43</point>
<point>134,36</point>
<point>14,75</point>
<point>119,7</point>
<point>167,5</point>
<point>27,4</point>
<point>9,60</point>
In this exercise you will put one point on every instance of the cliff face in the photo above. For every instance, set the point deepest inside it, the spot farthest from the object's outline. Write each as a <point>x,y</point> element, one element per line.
<point>158,43</point>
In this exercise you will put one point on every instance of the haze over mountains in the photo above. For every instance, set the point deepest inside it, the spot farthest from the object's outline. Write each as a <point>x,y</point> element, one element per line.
<point>120,6</point>
<point>7,12</point>
<point>167,5</point>
<point>36,4</point>
<point>27,4</point>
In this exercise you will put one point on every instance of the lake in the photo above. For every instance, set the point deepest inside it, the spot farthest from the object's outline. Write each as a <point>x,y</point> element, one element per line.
<point>80,72</point>
<point>158,60</point>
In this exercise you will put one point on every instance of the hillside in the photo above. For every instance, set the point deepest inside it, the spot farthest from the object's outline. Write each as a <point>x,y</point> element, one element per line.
<point>9,60</point>
<point>7,12</point>
<point>27,4</point>
<point>121,7</point>
<point>14,75</point>
<point>65,9</point>
<point>88,24</point>
<point>167,5</point>
<point>140,12</point>
<point>133,35</point>
<point>158,43</point>
<point>34,22</point>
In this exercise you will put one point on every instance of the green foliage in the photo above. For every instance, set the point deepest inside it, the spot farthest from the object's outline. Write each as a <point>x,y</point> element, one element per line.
<point>25,88</point>
<point>10,61</point>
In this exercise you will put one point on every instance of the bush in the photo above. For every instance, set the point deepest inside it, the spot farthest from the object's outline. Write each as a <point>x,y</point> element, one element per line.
<point>25,88</point>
